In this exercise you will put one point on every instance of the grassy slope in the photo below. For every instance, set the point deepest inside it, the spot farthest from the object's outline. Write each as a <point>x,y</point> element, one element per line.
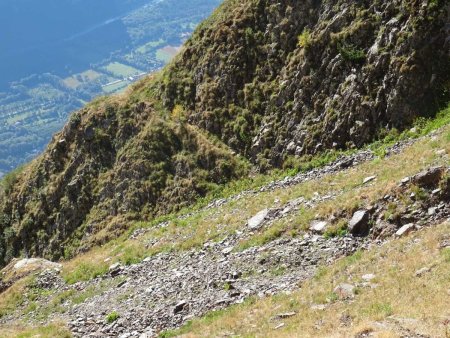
<point>55,330</point>
<point>398,301</point>
<point>205,225</point>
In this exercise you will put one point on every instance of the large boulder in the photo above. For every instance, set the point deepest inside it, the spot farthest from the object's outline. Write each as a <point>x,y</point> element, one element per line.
<point>256,221</point>
<point>359,224</point>
<point>429,178</point>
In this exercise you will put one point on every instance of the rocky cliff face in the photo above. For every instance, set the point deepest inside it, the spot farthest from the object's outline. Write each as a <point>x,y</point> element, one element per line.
<point>275,79</point>
<point>266,80</point>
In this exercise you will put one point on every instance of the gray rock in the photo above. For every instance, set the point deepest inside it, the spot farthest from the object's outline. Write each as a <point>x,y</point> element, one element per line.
<point>38,263</point>
<point>359,224</point>
<point>429,178</point>
<point>405,180</point>
<point>432,211</point>
<point>256,221</point>
<point>422,271</point>
<point>115,269</point>
<point>285,315</point>
<point>404,230</point>
<point>227,250</point>
<point>179,307</point>
<point>436,191</point>
<point>318,226</point>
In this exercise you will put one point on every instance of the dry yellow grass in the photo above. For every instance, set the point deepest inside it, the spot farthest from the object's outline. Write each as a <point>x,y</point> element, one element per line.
<point>54,330</point>
<point>215,224</point>
<point>395,303</point>
<point>11,299</point>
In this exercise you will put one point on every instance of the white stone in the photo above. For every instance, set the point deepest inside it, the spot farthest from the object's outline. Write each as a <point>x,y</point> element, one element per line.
<point>436,191</point>
<point>40,262</point>
<point>256,221</point>
<point>404,230</point>
<point>369,179</point>
<point>319,307</point>
<point>226,251</point>
<point>422,271</point>
<point>431,211</point>
<point>368,277</point>
<point>114,267</point>
<point>318,226</point>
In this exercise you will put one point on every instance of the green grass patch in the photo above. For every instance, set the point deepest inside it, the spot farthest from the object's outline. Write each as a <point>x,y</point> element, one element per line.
<point>149,46</point>
<point>112,317</point>
<point>115,87</point>
<point>446,254</point>
<point>121,70</point>
<point>85,271</point>
<point>43,331</point>
<point>379,310</point>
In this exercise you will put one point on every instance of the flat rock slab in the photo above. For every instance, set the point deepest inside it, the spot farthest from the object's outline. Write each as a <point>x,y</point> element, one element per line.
<point>404,230</point>
<point>256,221</point>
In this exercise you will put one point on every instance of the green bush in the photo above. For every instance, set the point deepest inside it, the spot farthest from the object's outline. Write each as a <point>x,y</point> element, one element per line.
<point>350,52</point>
<point>112,317</point>
<point>304,39</point>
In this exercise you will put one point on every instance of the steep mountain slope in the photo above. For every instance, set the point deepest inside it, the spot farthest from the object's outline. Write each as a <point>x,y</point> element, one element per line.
<point>261,79</point>
<point>399,296</point>
<point>111,160</point>
<point>274,79</point>
<point>166,273</point>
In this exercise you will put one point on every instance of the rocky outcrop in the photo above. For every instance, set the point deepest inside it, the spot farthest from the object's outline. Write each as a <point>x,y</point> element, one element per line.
<point>278,79</point>
<point>113,163</point>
